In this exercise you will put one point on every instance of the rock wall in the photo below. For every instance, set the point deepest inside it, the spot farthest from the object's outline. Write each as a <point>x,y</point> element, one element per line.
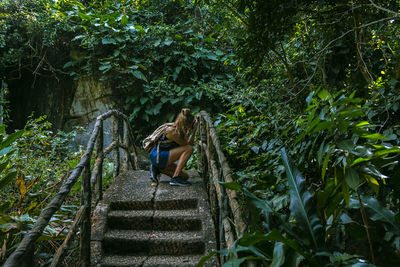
<point>65,102</point>
<point>91,99</point>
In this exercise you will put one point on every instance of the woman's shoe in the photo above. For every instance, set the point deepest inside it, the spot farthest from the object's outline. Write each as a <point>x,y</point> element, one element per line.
<point>179,181</point>
<point>154,173</point>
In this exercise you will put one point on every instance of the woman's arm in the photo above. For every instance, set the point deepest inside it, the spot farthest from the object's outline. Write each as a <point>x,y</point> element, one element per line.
<point>191,140</point>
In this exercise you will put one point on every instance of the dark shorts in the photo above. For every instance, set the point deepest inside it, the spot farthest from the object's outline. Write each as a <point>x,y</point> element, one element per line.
<point>163,158</point>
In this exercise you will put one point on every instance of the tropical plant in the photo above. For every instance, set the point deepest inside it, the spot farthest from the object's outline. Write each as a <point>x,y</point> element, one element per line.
<point>38,162</point>
<point>8,174</point>
<point>302,238</point>
<point>7,171</point>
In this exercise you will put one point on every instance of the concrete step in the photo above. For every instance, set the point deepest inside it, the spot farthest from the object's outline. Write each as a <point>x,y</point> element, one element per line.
<point>170,220</point>
<point>137,224</point>
<point>129,242</point>
<point>172,204</point>
<point>150,261</point>
<point>131,205</point>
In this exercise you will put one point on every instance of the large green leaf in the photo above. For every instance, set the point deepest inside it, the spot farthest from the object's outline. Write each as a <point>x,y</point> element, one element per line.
<point>385,152</point>
<point>262,204</point>
<point>206,258</point>
<point>8,178</point>
<point>324,94</point>
<point>124,20</point>
<point>379,213</point>
<point>375,136</point>
<point>325,164</point>
<point>231,185</point>
<point>352,178</point>
<point>372,170</point>
<point>234,262</point>
<point>11,138</point>
<point>3,165</point>
<point>139,75</point>
<point>108,41</point>
<point>279,255</point>
<point>258,254</point>
<point>249,240</point>
<point>301,204</point>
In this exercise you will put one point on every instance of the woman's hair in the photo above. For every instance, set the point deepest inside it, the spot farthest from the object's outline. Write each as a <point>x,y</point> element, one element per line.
<point>184,122</point>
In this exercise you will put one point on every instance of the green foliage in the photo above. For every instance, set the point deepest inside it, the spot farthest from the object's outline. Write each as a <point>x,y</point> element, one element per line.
<point>40,161</point>
<point>159,56</point>
<point>348,148</point>
<point>320,78</point>
<point>381,214</point>
<point>303,239</point>
<point>339,152</point>
<point>342,142</point>
<point>301,204</point>
<point>27,30</point>
<point>161,64</point>
<point>7,170</point>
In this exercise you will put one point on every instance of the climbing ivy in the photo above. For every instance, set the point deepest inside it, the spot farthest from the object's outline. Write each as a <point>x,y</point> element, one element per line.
<point>160,55</point>
<point>161,64</point>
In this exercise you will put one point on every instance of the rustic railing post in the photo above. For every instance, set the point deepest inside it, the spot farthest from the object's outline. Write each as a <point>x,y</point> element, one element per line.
<point>130,161</point>
<point>115,137</point>
<point>203,141</point>
<point>240,225</point>
<point>223,201</point>
<point>222,215</point>
<point>59,255</point>
<point>86,222</point>
<point>132,147</point>
<point>98,170</point>
<point>125,163</point>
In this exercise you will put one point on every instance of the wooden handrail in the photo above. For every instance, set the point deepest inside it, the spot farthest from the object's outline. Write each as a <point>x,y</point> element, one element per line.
<point>19,256</point>
<point>215,166</point>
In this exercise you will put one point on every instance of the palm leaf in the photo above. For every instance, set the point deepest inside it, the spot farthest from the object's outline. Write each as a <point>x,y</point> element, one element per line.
<point>301,204</point>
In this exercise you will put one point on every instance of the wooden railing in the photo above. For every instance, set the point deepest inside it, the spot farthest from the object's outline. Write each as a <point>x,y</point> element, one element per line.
<point>23,255</point>
<point>223,202</point>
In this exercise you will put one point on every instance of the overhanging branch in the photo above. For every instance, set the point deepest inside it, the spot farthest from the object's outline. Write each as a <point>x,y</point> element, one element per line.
<point>395,14</point>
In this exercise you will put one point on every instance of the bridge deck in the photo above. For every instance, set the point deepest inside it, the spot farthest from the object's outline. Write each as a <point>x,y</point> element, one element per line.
<point>138,224</point>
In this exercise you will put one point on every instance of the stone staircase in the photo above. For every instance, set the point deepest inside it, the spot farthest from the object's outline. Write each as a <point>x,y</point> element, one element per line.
<point>138,224</point>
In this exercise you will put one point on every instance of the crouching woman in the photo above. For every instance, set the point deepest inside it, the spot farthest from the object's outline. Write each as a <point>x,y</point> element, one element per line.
<point>174,145</point>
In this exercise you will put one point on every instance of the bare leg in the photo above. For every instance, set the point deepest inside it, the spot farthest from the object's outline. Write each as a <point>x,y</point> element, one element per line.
<point>170,170</point>
<point>182,154</point>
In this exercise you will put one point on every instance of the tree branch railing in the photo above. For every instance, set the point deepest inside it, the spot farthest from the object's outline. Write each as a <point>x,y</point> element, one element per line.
<point>23,255</point>
<point>215,168</point>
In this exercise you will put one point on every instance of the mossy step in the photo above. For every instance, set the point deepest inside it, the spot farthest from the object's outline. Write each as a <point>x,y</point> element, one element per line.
<point>171,220</point>
<point>151,261</point>
<point>129,242</point>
